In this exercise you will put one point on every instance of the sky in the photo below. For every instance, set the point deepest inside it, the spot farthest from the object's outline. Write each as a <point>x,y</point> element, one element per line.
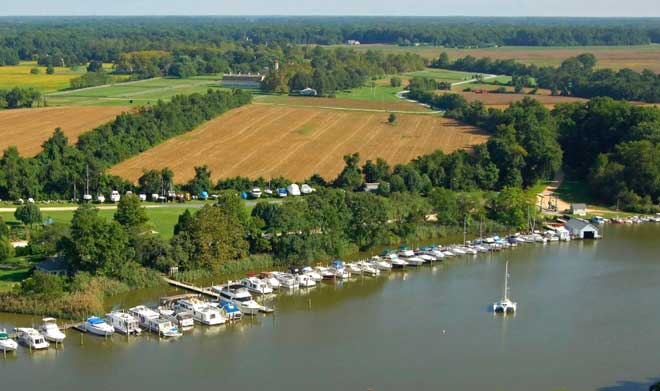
<point>598,8</point>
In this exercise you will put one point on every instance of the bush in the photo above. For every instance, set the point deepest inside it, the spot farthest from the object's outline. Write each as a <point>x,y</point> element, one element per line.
<point>6,249</point>
<point>395,81</point>
<point>35,71</point>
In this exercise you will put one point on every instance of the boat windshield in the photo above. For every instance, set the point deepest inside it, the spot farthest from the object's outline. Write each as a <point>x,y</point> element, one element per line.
<point>243,299</point>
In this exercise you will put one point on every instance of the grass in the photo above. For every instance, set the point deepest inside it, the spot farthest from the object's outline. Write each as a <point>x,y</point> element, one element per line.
<point>378,93</point>
<point>441,74</point>
<point>14,270</point>
<point>20,76</point>
<point>141,92</point>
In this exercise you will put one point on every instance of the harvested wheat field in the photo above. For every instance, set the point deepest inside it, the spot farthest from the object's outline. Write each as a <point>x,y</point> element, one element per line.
<point>502,101</point>
<point>394,104</point>
<point>27,129</point>
<point>296,142</point>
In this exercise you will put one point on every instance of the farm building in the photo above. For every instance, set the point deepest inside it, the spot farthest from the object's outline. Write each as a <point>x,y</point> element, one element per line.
<point>581,229</point>
<point>242,80</point>
<point>579,209</point>
<point>56,266</point>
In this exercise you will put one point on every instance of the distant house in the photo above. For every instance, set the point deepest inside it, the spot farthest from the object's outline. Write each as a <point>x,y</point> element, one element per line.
<point>579,209</point>
<point>308,92</point>
<point>55,265</point>
<point>352,42</point>
<point>242,80</point>
<point>581,229</point>
<point>371,187</point>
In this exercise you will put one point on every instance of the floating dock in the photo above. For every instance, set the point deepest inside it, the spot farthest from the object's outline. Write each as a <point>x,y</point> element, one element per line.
<point>192,288</point>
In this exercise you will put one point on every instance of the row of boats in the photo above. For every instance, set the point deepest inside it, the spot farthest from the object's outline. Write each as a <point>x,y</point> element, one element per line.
<point>236,299</point>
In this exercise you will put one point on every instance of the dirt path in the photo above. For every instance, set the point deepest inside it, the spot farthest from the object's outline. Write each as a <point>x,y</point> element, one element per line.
<point>550,203</point>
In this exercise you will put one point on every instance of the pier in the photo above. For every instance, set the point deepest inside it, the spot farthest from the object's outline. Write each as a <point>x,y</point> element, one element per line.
<point>192,288</point>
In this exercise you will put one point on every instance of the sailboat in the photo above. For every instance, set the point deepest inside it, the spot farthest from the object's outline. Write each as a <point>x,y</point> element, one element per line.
<point>87,197</point>
<point>505,305</point>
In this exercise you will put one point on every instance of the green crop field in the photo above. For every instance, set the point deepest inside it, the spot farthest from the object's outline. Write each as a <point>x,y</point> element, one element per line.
<point>377,93</point>
<point>134,93</point>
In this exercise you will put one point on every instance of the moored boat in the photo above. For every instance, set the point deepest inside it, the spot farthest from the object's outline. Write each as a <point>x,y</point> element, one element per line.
<point>232,312</point>
<point>256,285</point>
<point>51,331</point>
<point>123,323</point>
<point>182,319</point>
<point>7,344</point>
<point>98,326</point>
<point>31,338</point>
<point>144,315</point>
<point>203,312</point>
<point>238,295</point>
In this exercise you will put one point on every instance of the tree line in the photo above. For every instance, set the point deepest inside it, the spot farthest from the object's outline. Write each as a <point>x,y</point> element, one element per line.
<point>66,41</point>
<point>19,97</point>
<point>59,166</point>
<point>576,76</point>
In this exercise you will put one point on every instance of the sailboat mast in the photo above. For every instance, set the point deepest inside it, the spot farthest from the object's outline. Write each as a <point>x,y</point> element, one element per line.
<point>464,229</point>
<point>506,281</point>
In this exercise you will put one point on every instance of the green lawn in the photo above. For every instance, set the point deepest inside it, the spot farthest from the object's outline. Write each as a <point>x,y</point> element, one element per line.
<point>442,74</point>
<point>378,93</point>
<point>135,93</point>
<point>15,270</point>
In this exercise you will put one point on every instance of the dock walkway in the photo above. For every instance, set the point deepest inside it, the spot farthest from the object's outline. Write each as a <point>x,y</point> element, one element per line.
<point>192,288</point>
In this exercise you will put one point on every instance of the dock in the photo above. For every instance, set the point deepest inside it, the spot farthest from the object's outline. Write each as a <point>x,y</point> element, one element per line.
<point>192,288</point>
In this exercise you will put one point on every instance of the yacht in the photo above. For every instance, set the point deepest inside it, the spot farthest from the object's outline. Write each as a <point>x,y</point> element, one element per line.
<point>313,274</point>
<point>396,262</point>
<point>426,257</point>
<point>203,312</point>
<point>353,268</point>
<point>270,279</point>
<point>367,269</point>
<point>339,269</point>
<point>325,272</point>
<point>505,305</point>
<point>31,338</point>
<point>381,264</point>
<point>7,344</point>
<point>231,311</point>
<point>123,323</point>
<point>164,328</point>
<point>144,315</point>
<point>238,295</point>
<point>256,285</point>
<point>410,257</point>
<point>98,326</point>
<point>51,331</point>
<point>305,281</point>
<point>286,280</point>
<point>182,319</point>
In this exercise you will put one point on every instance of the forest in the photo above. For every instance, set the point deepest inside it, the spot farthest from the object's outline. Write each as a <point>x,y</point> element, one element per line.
<point>78,40</point>
<point>576,76</point>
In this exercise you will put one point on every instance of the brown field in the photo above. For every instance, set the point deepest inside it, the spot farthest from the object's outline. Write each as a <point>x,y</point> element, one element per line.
<point>502,101</point>
<point>27,129</point>
<point>343,103</point>
<point>296,142</point>
<point>616,57</point>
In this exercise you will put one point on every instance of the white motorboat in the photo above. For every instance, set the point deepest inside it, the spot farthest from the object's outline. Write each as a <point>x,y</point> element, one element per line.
<point>426,256</point>
<point>456,250</point>
<point>98,326</point>
<point>367,268</point>
<point>203,312</point>
<point>144,315</point>
<point>31,338</point>
<point>270,279</point>
<point>505,305</point>
<point>313,274</point>
<point>286,280</point>
<point>164,328</point>
<point>231,311</point>
<point>255,192</point>
<point>238,295</point>
<point>353,268</point>
<point>182,319</point>
<point>325,272</point>
<point>256,285</point>
<point>51,331</point>
<point>469,250</point>
<point>7,344</point>
<point>380,264</point>
<point>396,262</point>
<point>123,322</point>
<point>410,257</point>
<point>305,281</point>
<point>339,269</point>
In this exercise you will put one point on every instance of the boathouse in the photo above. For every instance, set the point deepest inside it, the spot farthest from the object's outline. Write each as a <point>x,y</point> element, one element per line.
<point>581,229</point>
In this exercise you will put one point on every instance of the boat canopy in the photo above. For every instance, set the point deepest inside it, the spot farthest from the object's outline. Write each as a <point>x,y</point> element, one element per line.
<point>3,335</point>
<point>337,263</point>
<point>95,320</point>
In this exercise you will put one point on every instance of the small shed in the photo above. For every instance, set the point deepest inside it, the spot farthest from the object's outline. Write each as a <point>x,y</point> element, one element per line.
<point>55,265</point>
<point>579,209</point>
<point>581,229</point>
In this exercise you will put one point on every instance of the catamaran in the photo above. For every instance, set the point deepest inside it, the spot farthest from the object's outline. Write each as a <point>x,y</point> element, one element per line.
<point>51,331</point>
<point>505,305</point>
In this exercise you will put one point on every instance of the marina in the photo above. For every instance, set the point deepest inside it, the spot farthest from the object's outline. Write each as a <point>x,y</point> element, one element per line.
<point>451,298</point>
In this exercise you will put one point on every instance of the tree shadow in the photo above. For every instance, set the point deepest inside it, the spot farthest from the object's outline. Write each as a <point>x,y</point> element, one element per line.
<point>627,385</point>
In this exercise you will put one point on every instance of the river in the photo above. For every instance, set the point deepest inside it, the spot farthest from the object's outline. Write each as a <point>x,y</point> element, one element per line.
<point>588,316</point>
